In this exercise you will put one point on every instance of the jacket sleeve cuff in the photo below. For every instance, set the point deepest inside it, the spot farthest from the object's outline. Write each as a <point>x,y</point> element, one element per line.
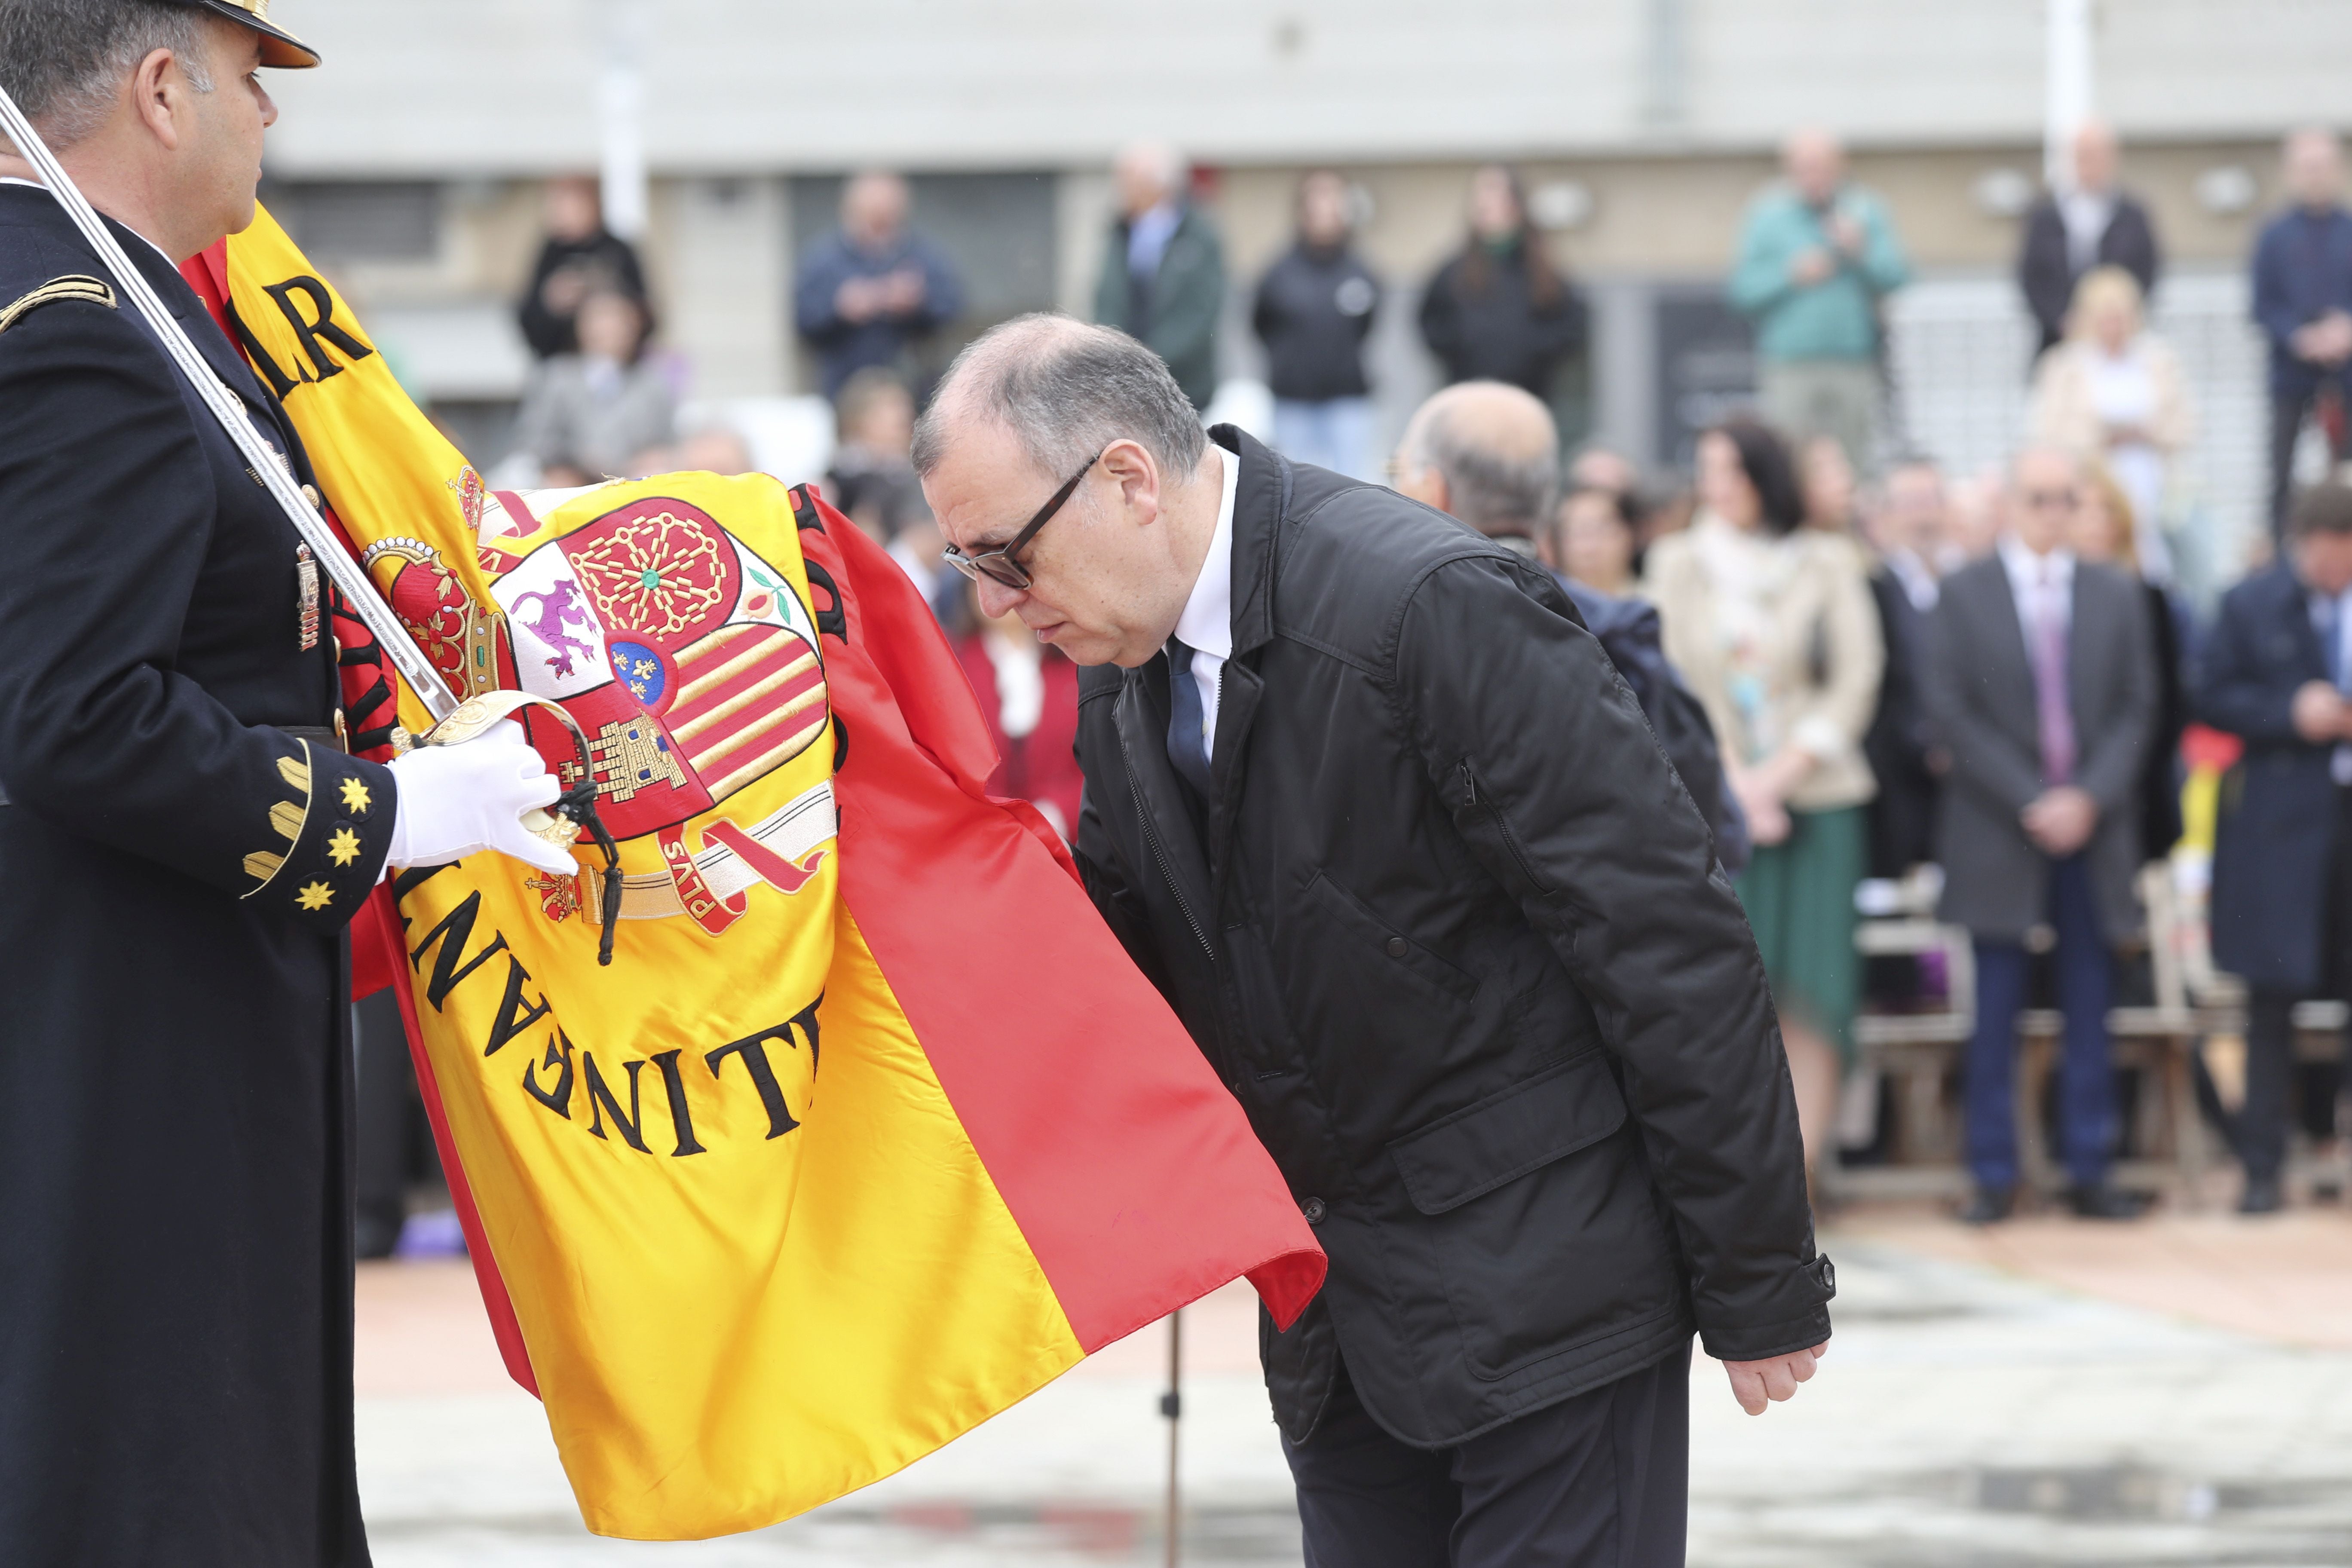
<point>331,820</point>
<point>1748,1341</point>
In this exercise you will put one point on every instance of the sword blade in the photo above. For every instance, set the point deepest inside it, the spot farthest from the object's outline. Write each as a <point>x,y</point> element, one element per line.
<point>325,544</point>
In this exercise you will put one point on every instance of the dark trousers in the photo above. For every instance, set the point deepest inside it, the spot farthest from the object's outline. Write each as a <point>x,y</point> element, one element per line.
<point>2260,1133</point>
<point>2287,412</point>
<point>2086,1082</point>
<point>1601,1480</point>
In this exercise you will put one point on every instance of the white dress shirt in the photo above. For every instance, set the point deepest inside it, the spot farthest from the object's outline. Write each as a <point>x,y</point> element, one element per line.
<point>2042,585</point>
<point>1206,626</point>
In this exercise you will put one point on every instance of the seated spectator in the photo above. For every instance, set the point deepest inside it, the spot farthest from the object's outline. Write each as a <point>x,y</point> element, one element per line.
<point>871,478</point>
<point>2044,691</point>
<point>1314,310</point>
<point>2102,532</point>
<point>1488,455</point>
<point>874,288</point>
<point>2276,672</point>
<point>578,258</point>
<point>1771,622</point>
<point>2114,395</point>
<point>1596,540</point>
<point>1028,693</point>
<point>585,415</point>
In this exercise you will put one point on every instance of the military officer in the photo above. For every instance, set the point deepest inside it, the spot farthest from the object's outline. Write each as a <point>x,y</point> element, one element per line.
<point>182,841</point>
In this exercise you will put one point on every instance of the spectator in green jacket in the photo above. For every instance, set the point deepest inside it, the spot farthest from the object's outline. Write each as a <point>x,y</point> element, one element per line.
<point>1816,257</point>
<point>1164,274</point>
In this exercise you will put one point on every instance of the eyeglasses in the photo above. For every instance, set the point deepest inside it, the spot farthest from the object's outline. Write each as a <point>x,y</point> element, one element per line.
<point>998,566</point>
<point>2062,501</point>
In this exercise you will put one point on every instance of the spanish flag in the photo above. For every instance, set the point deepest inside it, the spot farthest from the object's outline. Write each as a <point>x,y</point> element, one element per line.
<point>870,1130</point>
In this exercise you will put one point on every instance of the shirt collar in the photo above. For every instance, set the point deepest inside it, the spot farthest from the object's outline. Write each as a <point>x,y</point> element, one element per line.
<point>36,186</point>
<point>1207,624</point>
<point>2026,569</point>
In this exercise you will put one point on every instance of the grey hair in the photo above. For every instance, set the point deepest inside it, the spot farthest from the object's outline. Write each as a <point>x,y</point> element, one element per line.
<point>1493,493</point>
<point>64,61</point>
<point>1065,391</point>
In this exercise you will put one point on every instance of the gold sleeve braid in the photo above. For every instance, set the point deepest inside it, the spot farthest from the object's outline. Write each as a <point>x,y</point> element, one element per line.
<point>287,816</point>
<point>74,286</point>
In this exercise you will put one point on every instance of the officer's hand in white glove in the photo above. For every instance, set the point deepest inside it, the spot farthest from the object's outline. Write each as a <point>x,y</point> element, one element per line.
<point>457,800</point>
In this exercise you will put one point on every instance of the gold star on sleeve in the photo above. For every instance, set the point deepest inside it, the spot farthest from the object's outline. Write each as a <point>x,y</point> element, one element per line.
<point>315,896</point>
<point>356,799</point>
<point>343,848</point>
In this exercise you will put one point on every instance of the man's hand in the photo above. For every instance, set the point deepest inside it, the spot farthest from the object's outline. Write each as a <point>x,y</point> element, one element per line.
<point>1760,793</point>
<point>2061,820</point>
<point>1755,1383</point>
<point>1810,266</point>
<point>859,299</point>
<point>2319,713</point>
<point>1846,233</point>
<point>2325,341</point>
<point>903,291</point>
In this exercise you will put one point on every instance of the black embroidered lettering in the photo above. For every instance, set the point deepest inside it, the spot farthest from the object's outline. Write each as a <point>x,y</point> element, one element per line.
<point>681,1119</point>
<point>601,1103</point>
<point>454,929</point>
<point>559,1098</point>
<point>310,329</point>
<point>514,1015</point>
<point>753,1049</point>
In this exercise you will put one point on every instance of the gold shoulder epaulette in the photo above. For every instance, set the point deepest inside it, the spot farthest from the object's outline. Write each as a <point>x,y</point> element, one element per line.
<point>96,291</point>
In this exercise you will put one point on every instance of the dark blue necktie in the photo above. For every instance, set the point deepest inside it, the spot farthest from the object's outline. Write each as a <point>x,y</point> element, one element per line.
<point>1188,748</point>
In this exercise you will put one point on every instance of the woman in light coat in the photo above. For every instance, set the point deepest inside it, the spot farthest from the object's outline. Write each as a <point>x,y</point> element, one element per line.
<point>1773,626</point>
<point>2114,393</point>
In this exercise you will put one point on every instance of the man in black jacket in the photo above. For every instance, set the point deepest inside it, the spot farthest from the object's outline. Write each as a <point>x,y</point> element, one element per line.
<point>2278,674</point>
<point>1374,812</point>
<point>2093,222</point>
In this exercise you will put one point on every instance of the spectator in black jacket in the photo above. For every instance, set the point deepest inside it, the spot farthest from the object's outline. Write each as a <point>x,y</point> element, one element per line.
<point>1314,310</point>
<point>1500,310</point>
<point>2303,303</point>
<point>2091,222</point>
<point>581,256</point>
<point>2276,674</point>
<point>1907,532</point>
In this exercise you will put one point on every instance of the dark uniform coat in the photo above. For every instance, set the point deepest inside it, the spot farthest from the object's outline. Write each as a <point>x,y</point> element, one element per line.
<point>1454,934</point>
<point>2277,835</point>
<point>175,1303</point>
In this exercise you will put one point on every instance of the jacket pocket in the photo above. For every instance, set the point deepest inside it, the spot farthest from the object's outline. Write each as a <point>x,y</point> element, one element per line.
<point>1380,944</point>
<point>1539,1220</point>
<point>1506,1135</point>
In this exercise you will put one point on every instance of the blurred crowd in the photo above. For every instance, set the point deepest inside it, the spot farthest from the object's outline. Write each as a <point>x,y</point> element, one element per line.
<point>1880,682</point>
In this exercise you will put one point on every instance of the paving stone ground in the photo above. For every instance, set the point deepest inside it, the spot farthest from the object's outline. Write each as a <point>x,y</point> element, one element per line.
<point>2171,1393</point>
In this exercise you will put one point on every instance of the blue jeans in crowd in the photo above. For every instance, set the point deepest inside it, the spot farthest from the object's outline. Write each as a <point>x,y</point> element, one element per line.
<point>1335,435</point>
<point>2086,1080</point>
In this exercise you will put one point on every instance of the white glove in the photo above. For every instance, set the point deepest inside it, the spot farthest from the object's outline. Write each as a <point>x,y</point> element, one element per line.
<point>456,800</point>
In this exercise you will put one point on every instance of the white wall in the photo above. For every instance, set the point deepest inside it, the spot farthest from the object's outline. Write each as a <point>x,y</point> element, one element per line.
<point>444,87</point>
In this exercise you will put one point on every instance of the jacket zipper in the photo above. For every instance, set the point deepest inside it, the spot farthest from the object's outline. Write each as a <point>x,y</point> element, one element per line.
<point>1143,820</point>
<point>1502,824</point>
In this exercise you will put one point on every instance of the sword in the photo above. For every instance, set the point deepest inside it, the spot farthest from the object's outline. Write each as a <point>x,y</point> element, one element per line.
<point>326,547</point>
<point>454,721</point>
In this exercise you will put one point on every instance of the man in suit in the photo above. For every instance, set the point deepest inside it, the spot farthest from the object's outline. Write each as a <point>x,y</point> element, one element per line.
<point>1163,271</point>
<point>2091,222</point>
<point>184,837</point>
<point>1907,529</point>
<point>2045,695</point>
<point>1373,811</point>
<point>2277,672</point>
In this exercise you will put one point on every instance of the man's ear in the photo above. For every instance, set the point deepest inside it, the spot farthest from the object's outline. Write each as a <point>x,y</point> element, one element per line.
<point>159,92</point>
<point>1131,467</point>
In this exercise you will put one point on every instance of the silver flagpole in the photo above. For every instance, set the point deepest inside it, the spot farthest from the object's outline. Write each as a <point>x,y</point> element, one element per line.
<point>358,591</point>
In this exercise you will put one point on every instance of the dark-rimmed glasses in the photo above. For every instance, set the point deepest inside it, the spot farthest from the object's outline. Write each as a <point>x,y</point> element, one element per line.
<point>998,566</point>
